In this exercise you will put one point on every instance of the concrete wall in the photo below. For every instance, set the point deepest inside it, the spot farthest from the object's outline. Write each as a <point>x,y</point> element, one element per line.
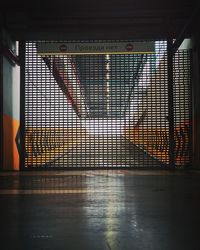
<point>11,107</point>
<point>1,109</point>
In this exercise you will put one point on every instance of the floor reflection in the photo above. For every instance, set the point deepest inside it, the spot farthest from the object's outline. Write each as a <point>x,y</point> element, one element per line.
<point>99,210</point>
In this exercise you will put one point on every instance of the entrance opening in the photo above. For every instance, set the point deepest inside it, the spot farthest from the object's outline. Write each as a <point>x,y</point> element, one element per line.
<point>104,109</point>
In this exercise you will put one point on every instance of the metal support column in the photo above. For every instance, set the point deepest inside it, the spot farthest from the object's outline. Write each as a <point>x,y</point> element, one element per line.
<point>170,103</point>
<point>22,104</point>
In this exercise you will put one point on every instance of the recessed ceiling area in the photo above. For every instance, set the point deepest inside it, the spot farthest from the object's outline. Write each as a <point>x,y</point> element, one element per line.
<point>96,19</point>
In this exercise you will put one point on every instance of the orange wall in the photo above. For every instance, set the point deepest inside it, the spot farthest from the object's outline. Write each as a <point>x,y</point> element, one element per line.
<point>10,152</point>
<point>156,142</point>
<point>43,145</point>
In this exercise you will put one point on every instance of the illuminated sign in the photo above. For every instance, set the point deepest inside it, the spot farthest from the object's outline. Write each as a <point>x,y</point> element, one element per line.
<point>44,48</point>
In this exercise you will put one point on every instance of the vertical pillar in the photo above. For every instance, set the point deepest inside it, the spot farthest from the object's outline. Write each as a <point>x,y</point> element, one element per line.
<point>22,104</point>
<point>170,103</point>
<point>196,98</point>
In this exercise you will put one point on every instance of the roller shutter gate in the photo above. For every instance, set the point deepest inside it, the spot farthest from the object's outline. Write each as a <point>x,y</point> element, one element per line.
<point>104,110</point>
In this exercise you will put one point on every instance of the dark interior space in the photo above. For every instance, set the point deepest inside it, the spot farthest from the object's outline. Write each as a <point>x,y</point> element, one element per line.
<point>99,125</point>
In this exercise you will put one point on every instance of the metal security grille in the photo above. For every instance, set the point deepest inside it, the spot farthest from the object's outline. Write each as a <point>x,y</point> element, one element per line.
<point>182,108</point>
<point>105,111</point>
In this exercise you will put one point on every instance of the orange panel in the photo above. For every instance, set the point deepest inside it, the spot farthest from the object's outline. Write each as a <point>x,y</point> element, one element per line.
<point>43,145</point>
<point>156,143</point>
<point>10,152</point>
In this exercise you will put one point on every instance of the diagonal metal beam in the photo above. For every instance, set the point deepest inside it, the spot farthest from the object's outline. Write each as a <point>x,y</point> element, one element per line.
<point>186,29</point>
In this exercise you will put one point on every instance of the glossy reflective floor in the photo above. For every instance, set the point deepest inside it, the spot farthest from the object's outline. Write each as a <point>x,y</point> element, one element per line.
<point>100,210</point>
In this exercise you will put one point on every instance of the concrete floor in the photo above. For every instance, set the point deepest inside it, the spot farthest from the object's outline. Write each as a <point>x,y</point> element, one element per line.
<point>100,210</point>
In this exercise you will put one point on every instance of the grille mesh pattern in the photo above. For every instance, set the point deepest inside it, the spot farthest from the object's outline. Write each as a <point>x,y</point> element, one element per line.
<point>105,111</point>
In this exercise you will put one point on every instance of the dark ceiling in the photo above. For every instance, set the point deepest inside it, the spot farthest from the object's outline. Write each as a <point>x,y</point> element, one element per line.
<point>96,19</point>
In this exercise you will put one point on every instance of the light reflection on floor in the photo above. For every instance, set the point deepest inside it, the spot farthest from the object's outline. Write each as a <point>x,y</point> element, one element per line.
<point>99,210</point>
